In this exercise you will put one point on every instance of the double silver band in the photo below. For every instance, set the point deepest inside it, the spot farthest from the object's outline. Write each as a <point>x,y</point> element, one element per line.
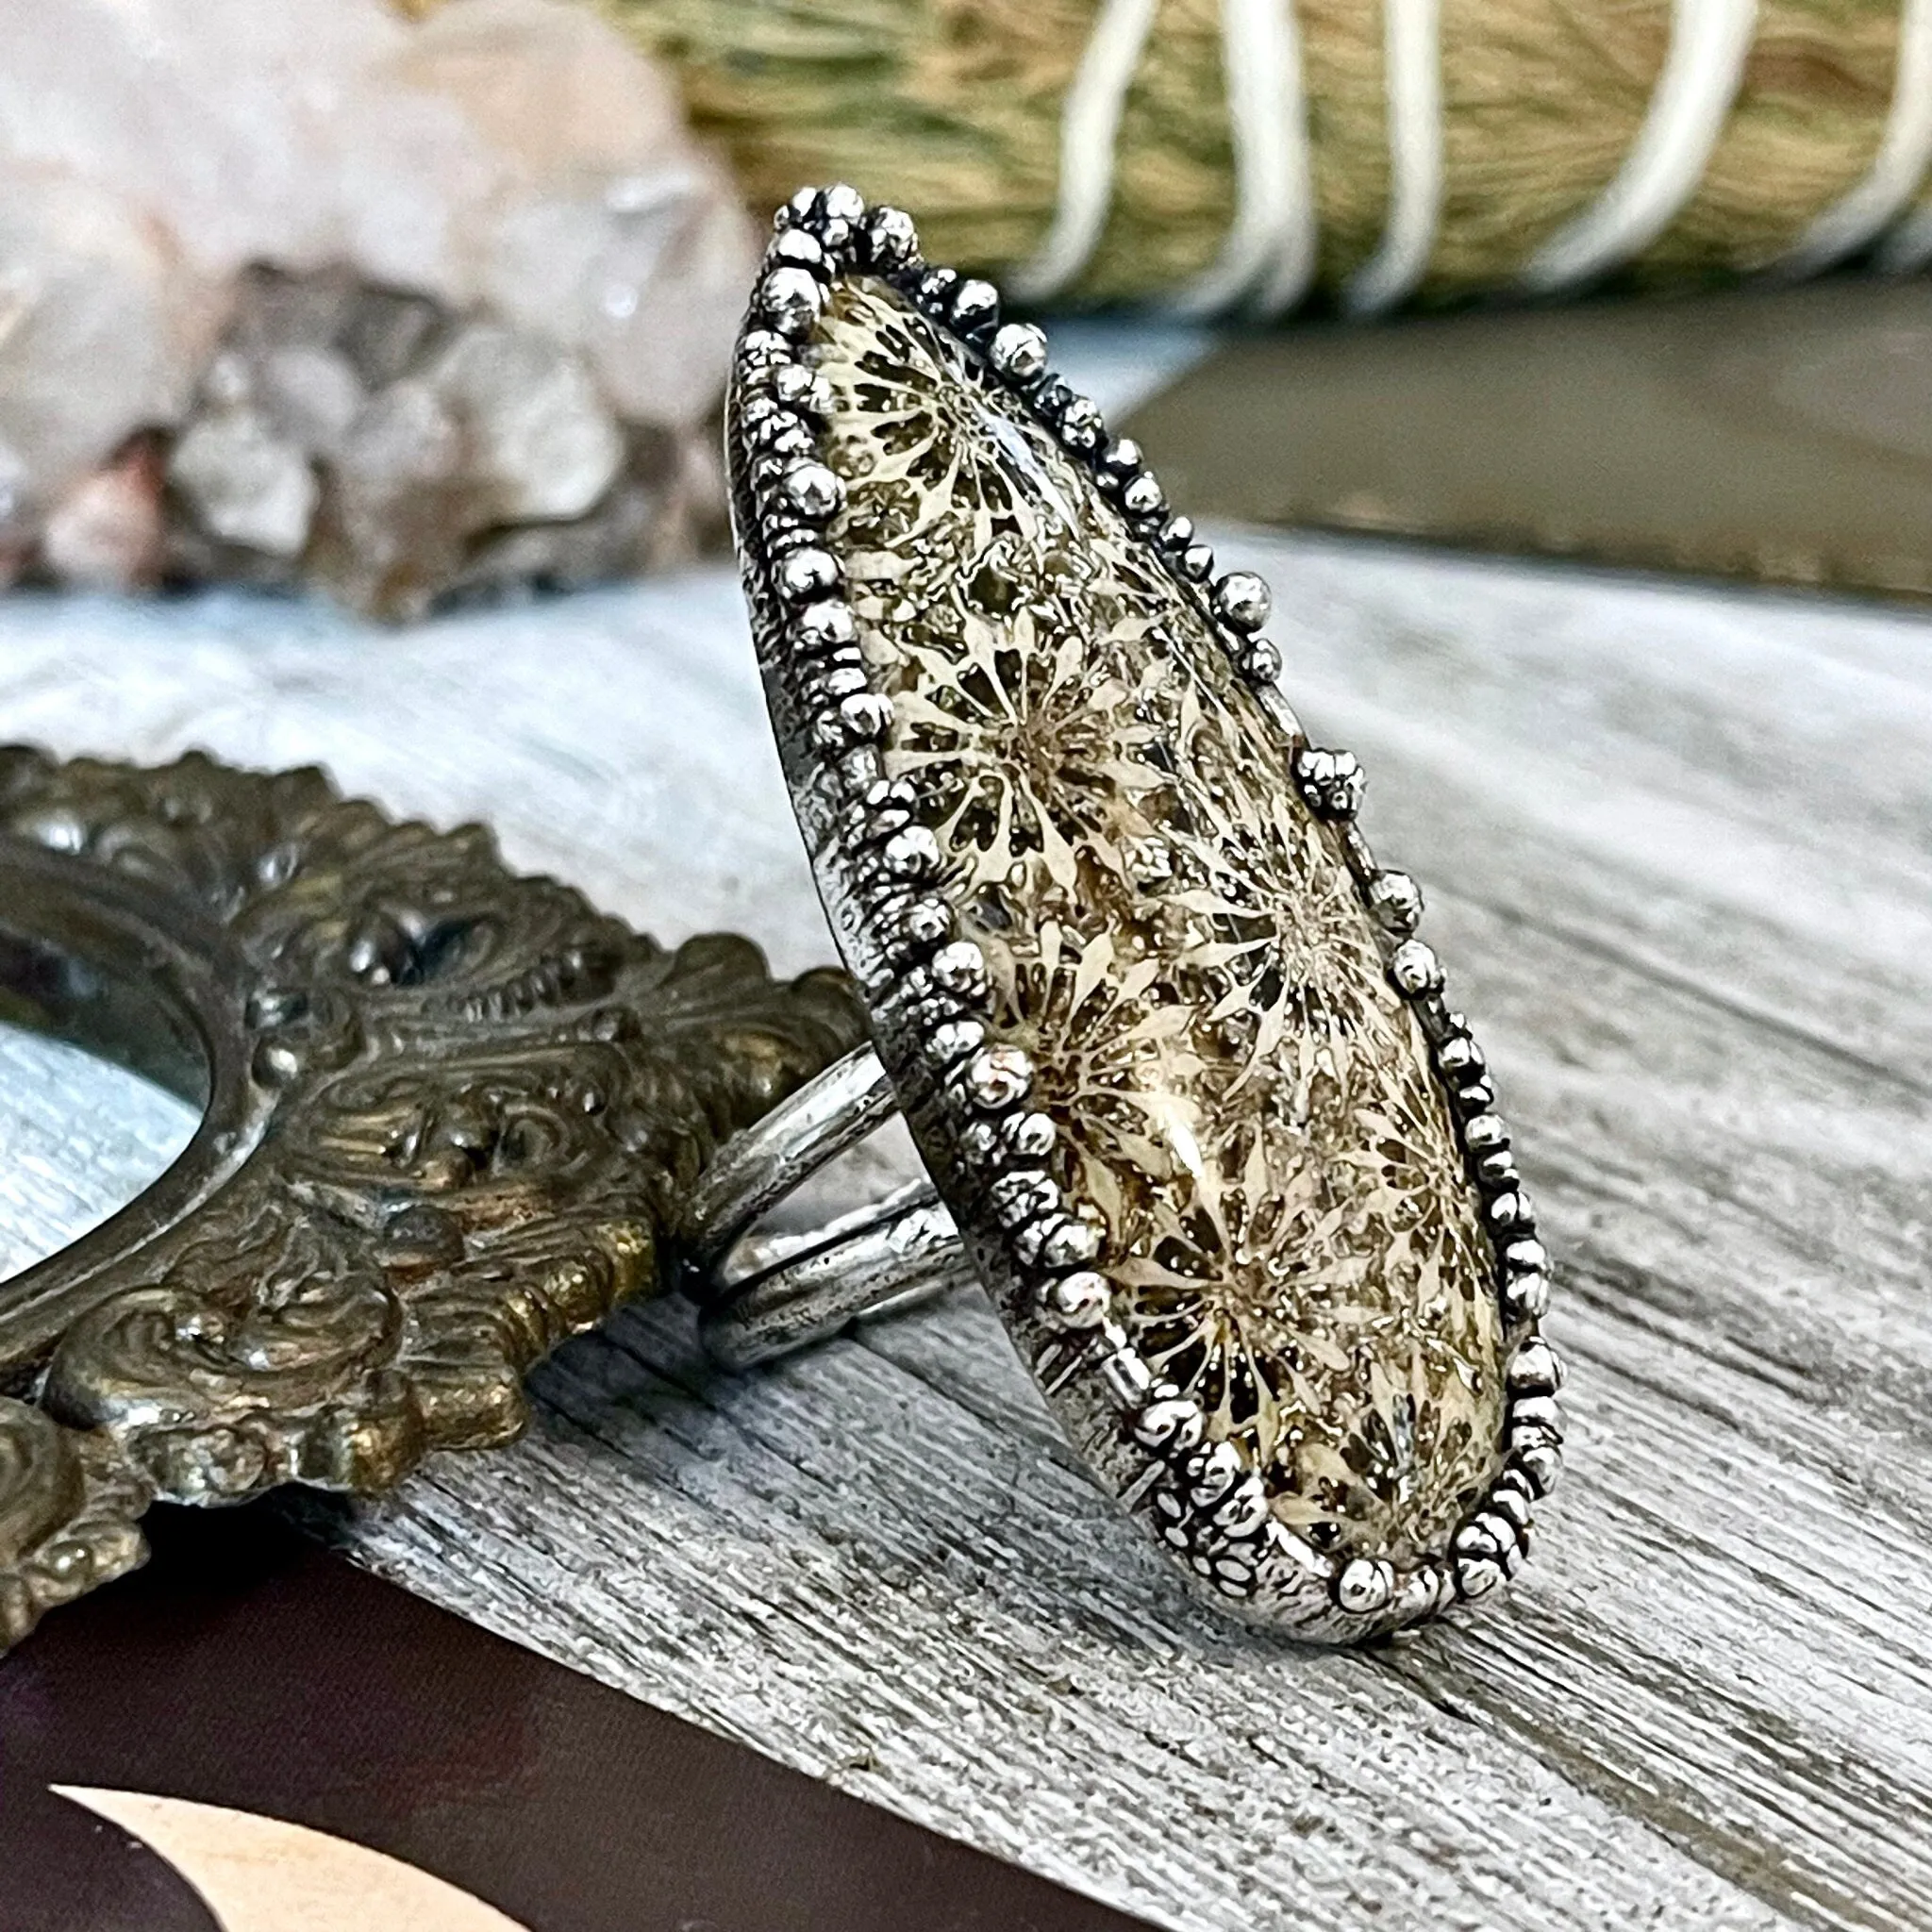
<point>766,1294</point>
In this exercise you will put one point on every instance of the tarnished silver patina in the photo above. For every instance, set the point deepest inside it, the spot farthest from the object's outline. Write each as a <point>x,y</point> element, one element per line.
<point>447,1115</point>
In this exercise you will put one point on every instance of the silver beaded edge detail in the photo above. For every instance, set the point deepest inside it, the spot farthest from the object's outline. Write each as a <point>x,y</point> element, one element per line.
<point>1203,1502</point>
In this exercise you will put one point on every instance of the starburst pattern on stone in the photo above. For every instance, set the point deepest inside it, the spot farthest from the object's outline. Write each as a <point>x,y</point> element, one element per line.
<point>1176,941</point>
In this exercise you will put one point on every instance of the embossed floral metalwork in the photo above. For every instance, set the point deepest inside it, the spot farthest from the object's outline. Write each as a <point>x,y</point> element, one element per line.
<point>69,1506</point>
<point>448,1114</point>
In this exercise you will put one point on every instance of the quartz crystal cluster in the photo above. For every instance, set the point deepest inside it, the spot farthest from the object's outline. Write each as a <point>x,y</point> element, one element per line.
<point>1173,937</point>
<point>308,292</point>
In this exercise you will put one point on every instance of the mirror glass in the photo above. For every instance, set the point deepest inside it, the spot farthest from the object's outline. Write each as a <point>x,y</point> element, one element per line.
<point>79,1137</point>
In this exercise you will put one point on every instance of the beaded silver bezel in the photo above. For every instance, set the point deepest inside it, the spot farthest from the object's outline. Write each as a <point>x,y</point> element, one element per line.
<point>964,1092</point>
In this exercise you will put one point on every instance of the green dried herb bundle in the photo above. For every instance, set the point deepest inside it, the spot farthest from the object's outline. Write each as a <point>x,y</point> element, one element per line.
<point>952,107</point>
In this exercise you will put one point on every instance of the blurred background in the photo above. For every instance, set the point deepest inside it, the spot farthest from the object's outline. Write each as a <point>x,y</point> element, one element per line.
<point>418,304</point>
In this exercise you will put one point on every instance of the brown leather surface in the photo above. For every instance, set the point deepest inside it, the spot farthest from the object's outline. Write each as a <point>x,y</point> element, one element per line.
<point>1779,435</point>
<point>248,1669</point>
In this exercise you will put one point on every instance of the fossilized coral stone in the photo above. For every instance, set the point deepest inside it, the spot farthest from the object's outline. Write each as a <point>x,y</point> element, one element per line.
<point>1291,1236</point>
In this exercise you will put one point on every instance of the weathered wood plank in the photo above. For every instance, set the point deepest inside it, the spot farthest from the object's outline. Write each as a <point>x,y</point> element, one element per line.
<point>1681,851</point>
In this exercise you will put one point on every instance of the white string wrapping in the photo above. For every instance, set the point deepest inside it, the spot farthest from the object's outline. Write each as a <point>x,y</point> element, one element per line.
<point>1905,151</point>
<point>1090,127</point>
<point>1908,145</point>
<point>1413,82</point>
<point>1271,240</point>
<point>1703,68</point>
<point>1268,255</point>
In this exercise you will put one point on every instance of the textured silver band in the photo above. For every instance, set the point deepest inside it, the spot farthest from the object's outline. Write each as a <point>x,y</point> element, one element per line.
<point>765,1295</point>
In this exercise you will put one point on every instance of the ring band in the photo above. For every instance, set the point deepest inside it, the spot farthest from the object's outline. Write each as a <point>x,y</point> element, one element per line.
<point>765,1296</point>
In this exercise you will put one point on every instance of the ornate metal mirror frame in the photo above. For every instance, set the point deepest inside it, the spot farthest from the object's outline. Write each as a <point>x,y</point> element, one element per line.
<point>448,1114</point>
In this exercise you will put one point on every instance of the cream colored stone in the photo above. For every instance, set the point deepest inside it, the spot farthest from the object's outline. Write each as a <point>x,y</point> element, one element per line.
<point>1177,943</point>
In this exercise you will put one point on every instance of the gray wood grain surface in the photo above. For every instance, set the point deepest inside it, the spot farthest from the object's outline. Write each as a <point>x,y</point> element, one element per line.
<point>1679,847</point>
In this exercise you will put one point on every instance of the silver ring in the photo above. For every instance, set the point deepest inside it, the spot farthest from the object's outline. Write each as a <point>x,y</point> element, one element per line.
<point>1182,1076</point>
<point>766,1294</point>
